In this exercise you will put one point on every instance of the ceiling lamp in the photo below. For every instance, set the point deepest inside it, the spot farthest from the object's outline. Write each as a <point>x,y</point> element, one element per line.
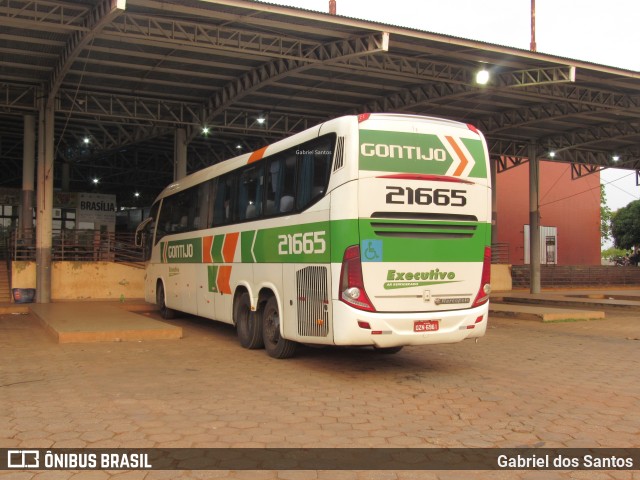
<point>482,77</point>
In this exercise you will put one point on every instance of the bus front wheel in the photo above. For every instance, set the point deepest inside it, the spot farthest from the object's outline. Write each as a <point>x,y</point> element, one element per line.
<point>276,346</point>
<point>248,323</point>
<point>165,312</point>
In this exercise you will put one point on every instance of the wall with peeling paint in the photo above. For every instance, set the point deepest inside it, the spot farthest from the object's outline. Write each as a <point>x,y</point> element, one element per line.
<point>84,280</point>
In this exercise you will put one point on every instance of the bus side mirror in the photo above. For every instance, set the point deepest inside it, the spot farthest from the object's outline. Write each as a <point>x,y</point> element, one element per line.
<point>140,232</point>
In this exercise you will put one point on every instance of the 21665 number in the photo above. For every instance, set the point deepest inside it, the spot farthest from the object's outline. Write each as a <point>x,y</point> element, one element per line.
<point>309,242</point>
<point>426,196</point>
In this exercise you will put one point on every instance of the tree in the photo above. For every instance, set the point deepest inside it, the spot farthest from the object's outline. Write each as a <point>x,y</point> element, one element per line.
<point>625,226</point>
<point>605,217</point>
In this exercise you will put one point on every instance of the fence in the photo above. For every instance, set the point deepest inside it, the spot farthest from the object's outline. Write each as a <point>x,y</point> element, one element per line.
<point>554,276</point>
<point>500,253</point>
<point>80,245</point>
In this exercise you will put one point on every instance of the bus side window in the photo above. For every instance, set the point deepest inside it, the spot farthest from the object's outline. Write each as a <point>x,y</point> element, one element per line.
<point>272,186</point>
<point>249,204</point>
<point>163,223</point>
<point>222,206</point>
<point>181,212</point>
<point>146,234</point>
<point>286,201</point>
<point>280,184</point>
<point>199,218</point>
<point>313,172</point>
<point>211,187</point>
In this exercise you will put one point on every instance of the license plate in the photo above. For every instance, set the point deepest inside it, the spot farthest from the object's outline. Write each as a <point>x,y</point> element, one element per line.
<point>426,325</point>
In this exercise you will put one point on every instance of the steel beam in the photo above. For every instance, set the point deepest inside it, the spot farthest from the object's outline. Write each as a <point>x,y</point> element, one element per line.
<point>536,77</point>
<point>280,68</point>
<point>579,95</point>
<point>515,152</point>
<point>579,170</point>
<point>126,108</point>
<point>187,33</point>
<point>96,19</point>
<point>18,97</point>
<point>43,15</point>
<point>519,117</point>
<point>586,137</point>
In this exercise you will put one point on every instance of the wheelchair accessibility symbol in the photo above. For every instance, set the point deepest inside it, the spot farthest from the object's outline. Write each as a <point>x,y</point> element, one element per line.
<point>371,250</point>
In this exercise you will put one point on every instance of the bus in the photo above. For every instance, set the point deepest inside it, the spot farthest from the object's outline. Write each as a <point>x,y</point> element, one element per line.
<point>366,230</point>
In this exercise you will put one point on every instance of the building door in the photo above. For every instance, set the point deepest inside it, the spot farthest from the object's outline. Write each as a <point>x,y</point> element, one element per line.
<point>548,245</point>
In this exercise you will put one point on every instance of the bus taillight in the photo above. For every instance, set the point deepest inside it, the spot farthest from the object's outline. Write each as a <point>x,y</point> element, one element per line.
<point>351,283</point>
<point>485,283</point>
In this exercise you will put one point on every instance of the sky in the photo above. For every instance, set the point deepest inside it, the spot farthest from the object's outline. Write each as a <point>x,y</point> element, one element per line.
<point>603,32</point>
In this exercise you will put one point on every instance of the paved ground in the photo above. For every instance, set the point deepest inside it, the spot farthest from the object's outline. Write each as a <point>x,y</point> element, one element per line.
<point>525,384</point>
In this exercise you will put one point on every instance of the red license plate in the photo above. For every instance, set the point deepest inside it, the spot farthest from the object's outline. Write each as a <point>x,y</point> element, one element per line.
<point>426,325</point>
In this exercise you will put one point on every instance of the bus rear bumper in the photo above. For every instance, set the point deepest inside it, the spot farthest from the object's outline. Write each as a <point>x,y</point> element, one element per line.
<point>385,329</point>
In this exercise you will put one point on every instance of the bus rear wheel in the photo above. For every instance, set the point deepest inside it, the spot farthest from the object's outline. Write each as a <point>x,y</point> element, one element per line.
<point>274,344</point>
<point>165,312</point>
<point>248,323</point>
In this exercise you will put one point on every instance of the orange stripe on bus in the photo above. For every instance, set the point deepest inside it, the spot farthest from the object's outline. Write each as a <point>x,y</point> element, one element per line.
<point>206,249</point>
<point>229,247</point>
<point>257,155</point>
<point>224,279</point>
<point>463,160</point>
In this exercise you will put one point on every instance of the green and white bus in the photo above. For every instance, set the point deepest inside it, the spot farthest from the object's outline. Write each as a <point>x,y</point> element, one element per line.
<point>364,230</point>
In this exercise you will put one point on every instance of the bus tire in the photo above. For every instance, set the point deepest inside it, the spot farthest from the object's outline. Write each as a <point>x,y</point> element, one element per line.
<point>165,312</point>
<point>248,323</point>
<point>386,350</point>
<point>274,344</point>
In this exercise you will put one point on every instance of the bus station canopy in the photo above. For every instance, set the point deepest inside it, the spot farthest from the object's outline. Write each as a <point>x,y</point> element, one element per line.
<point>122,75</point>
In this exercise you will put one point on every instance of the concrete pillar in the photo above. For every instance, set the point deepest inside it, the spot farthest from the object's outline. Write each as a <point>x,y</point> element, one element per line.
<point>180,154</point>
<point>28,178</point>
<point>534,221</point>
<point>44,203</point>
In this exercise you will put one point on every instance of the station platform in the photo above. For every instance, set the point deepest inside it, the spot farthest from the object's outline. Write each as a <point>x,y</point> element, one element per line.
<point>542,314</point>
<point>96,321</point>
<point>563,305</point>
<point>628,299</point>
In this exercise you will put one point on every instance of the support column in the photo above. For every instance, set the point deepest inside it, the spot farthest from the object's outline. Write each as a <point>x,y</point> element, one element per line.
<point>28,178</point>
<point>534,221</point>
<point>180,154</point>
<point>44,203</point>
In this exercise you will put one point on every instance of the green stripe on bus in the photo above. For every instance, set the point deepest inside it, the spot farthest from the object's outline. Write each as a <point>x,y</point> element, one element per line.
<point>411,245</point>
<point>476,149</point>
<point>212,277</point>
<point>324,242</point>
<point>216,249</point>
